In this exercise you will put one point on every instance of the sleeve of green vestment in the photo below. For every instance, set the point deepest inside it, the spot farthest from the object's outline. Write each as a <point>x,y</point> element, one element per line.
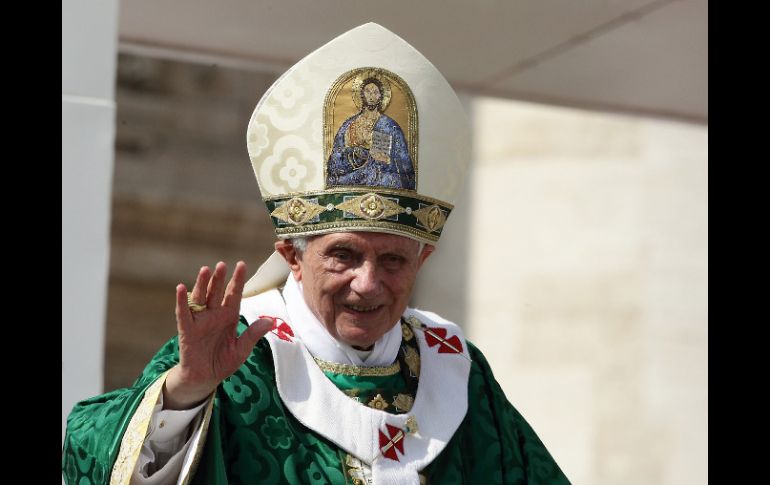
<point>524,458</point>
<point>95,427</point>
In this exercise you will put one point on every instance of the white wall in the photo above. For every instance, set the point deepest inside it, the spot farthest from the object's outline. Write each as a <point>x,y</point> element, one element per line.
<point>89,43</point>
<point>587,286</point>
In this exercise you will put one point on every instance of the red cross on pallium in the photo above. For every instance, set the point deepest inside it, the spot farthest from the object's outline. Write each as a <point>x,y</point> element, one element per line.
<point>451,345</point>
<point>389,444</point>
<point>280,328</point>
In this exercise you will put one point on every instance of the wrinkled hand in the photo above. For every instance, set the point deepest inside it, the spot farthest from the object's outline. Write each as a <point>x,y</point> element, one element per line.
<point>209,349</point>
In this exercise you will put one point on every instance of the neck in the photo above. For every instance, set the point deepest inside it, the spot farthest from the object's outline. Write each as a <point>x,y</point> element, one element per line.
<point>365,349</point>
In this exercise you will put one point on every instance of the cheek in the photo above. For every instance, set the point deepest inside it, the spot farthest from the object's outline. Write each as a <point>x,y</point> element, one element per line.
<point>332,290</point>
<point>400,287</point>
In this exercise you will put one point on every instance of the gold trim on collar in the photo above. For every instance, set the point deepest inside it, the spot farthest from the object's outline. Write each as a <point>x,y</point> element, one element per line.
<point>357,370</point>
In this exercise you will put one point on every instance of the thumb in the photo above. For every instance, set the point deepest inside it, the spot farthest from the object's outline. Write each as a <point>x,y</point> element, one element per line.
<point>251,335</point>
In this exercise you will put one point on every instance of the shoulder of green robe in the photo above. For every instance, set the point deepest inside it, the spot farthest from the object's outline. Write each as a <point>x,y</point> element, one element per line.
<point>521,445</point>
<point>262,354</point>
<point>95,426</point>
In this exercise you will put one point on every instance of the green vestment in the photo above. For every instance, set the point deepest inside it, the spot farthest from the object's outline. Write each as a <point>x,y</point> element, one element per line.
<point>252,437</point>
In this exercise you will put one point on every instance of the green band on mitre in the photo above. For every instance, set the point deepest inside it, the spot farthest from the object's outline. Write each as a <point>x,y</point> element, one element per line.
<point>399,212</point>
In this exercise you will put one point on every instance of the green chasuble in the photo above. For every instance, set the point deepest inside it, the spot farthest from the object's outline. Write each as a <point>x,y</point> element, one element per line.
<point>253,438</point>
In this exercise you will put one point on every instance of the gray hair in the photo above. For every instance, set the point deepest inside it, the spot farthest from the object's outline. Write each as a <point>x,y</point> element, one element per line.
<point>300,245</point>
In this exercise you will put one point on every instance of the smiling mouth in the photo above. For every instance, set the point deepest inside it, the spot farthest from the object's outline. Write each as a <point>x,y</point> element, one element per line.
<point>362,309</point>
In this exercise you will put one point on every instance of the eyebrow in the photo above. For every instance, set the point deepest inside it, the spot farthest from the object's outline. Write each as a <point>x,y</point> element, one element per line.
<point>349,245</point>
<point>342,245</point>
<point>393,255</point>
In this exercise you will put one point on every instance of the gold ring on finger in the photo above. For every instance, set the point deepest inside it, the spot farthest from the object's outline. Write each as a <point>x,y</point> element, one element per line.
<point>194,307</point>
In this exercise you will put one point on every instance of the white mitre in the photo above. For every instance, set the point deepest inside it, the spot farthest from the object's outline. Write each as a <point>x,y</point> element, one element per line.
<point>363,134</point>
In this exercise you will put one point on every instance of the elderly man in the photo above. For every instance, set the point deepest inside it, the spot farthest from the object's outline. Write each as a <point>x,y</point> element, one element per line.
<point>316,370</point>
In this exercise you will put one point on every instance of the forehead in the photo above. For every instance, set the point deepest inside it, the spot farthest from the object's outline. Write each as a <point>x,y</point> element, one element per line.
<point>365,241</point>
<point>369,86</point>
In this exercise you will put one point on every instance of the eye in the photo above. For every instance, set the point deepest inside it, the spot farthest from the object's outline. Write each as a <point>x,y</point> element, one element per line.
<point>342,256</point>
<point>392,261</point>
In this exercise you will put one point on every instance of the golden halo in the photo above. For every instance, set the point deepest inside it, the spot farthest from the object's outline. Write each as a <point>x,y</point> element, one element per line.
<point>355,88</point>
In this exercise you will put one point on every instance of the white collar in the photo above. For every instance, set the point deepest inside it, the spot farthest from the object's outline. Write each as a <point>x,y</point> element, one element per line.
<point>439,407</point>
<point>322,345</point>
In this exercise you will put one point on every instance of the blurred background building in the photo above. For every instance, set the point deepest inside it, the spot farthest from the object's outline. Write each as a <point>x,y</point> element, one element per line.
<point>577,258</point>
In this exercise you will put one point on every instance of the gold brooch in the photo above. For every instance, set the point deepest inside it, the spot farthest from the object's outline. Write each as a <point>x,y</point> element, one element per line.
<point>378,403</point>
<point>371,206</point>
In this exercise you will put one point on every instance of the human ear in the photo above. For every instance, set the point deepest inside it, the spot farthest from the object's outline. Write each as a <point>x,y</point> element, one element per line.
<point>292,256</point>
<point>426,251</point>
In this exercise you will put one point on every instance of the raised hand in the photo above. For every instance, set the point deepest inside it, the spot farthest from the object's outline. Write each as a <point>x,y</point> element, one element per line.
<point>209,349</point>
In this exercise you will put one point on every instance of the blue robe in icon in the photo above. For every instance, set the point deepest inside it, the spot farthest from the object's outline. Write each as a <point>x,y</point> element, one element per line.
<point>380,160</point>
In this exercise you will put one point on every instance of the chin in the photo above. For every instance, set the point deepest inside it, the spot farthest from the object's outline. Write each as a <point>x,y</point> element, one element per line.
<point>358,336</point>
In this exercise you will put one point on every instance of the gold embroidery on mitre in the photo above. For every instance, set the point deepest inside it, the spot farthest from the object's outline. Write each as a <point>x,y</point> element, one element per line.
<point>403,402</point>
<point>371,206</point>
<point>344,102</point>
<point>378,403</point>
<point>431,217</point>
<point>412,359</point>
<point>297,211</point>
<point>358,84</point>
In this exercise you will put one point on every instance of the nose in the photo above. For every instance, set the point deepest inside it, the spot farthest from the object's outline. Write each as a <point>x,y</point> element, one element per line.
<point>365,281</point>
